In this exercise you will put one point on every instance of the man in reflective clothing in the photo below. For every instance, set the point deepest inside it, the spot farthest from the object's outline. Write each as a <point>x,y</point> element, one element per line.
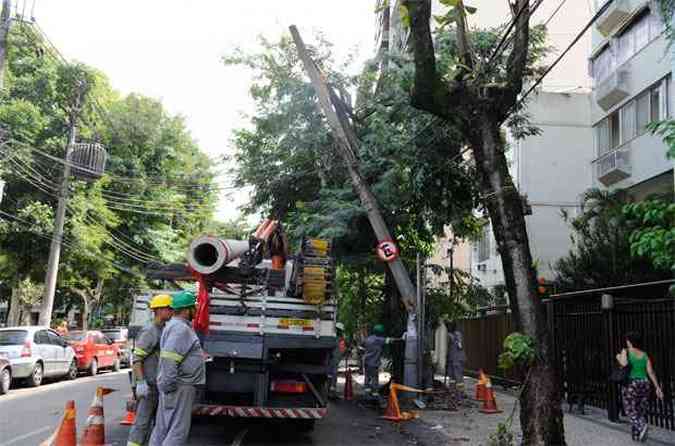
<point>181,369</point>
<point>374,345</point>
<point>146,361</point>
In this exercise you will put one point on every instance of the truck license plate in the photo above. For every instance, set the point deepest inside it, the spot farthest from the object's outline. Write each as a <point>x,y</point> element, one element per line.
<point>296,322</point>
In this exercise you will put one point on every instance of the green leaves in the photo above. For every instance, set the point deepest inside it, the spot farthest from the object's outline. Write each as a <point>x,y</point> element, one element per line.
<point>665,129</point>
<point>653,235</point>
<point>518,351</point>
<point>606,247</point>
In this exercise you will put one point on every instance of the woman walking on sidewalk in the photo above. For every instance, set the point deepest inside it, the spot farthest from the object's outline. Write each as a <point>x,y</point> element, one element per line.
<point>636,393</point>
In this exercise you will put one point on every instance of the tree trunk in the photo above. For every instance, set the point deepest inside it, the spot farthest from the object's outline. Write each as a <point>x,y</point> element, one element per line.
<point>541,413</point>
<point>86,310</point>
<point>14,309</point>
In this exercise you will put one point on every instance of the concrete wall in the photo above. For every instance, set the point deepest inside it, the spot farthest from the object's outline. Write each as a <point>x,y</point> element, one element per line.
<point>554,170</point>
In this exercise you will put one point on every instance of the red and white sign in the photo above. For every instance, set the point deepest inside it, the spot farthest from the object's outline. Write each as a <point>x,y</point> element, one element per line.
<point>387,251</point>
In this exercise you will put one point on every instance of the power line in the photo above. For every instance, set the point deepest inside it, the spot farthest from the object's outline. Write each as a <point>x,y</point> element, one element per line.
<point>149,206</point>
<point>69,244</point>
<point>597,15</point>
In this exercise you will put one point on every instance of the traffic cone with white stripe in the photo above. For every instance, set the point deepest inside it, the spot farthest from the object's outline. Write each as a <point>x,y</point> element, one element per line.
<point>66,434</point>
<point>490,404</point>
<point>94,432</point>
<point>481,392</point>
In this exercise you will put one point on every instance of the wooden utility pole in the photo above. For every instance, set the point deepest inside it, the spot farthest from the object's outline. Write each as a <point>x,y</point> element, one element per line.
<point>55,249</point>
<point>348,146</point>
<point>5,23</point>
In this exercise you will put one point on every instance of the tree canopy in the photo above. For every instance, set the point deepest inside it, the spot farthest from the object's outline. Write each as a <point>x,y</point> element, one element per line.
<point>158,190</point>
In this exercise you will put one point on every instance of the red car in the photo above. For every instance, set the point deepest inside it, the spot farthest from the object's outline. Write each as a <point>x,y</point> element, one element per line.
<point>94,351</point>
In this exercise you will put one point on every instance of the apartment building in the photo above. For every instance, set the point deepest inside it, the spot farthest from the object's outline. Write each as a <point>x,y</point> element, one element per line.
<point>631,68</point>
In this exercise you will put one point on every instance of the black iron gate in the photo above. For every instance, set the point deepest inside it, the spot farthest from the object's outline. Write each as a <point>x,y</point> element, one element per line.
<point>588,332</point>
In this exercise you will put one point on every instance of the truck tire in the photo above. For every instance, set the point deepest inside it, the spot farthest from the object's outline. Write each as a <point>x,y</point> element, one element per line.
<point>305,426</point>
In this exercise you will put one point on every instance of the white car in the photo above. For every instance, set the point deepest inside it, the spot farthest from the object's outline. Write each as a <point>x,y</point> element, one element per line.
<point>35,353</point>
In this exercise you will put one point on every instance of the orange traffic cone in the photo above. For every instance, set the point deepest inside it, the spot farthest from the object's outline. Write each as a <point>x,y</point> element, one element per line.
<point>94,432</point>
<point>66,434</point>
<point>393,410</point>
<point>130,417</point>
<point>481,394</point>
<point>490,404</point>
<point>349,390</point>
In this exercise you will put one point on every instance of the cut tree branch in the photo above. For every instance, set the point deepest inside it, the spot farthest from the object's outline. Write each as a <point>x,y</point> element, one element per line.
<point>517,60</point>
<point>430,93</point>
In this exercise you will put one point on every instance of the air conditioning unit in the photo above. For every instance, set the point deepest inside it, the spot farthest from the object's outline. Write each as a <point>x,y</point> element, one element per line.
<point>615,15</point>
<point>613,90</point>
<point>614,166</point>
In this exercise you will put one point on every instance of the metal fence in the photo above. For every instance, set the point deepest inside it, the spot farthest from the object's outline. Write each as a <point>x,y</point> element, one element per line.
<point>587,335</point>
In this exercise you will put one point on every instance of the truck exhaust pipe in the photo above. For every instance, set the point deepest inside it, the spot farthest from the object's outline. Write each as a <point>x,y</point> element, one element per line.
<point>207,254</point>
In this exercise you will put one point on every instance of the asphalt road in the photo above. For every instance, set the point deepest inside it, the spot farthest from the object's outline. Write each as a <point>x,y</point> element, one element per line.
<point>29,416</point>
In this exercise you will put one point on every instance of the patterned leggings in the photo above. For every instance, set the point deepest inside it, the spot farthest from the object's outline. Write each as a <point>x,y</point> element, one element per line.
<point>635,399</point>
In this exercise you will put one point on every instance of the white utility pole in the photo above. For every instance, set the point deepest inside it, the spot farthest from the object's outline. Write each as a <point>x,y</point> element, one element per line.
<point>55,249</point>
<point>5,23</point>
<point>347,148</point>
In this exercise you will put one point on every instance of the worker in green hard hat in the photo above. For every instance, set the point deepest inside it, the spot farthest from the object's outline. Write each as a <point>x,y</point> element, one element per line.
<point>145,366</point>
<point>181,369</point>
<point>374,345</point>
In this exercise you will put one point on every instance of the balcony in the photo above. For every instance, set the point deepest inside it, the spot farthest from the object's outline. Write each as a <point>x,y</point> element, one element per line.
<point>614,166</point>
<point>614,16</point>
<point>614,89</point>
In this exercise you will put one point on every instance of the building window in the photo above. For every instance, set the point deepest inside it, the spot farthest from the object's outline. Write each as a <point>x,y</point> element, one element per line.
<point>614,130</point>
<point>637,35</point>
<point>631,120</point>
<point>484,245</point>
<point>642,112</point>
<point>628,129</point>
<point>655,104</point>
<point>603,64</point>
<point>602,132</point>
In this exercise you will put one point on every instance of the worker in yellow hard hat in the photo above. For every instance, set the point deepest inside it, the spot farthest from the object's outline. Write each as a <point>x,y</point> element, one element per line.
<point>145,366</point>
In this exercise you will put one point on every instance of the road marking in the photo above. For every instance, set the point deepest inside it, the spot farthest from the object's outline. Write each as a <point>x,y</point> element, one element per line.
<point>27,392</point>
<point>28,435</point>
<point>240,437</point>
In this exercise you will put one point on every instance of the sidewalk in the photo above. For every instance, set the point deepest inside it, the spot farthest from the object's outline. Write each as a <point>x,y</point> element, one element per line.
<point>469,427</point>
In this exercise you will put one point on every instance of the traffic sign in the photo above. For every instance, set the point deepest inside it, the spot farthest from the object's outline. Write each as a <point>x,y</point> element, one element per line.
<point>387,251</point>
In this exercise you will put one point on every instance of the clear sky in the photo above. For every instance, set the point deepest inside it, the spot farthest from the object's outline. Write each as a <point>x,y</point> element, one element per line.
<point>172,50</point>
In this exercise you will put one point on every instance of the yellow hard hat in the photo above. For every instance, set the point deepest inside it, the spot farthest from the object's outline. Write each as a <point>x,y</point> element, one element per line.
<point>160,301</point>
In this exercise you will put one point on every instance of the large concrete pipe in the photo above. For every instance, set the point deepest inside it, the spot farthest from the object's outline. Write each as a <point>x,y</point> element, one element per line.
<point>207,254</point>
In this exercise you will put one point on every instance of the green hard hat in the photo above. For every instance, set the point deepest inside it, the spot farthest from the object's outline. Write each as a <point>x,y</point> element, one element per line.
<point>183,299</point>
<point>378,329</point>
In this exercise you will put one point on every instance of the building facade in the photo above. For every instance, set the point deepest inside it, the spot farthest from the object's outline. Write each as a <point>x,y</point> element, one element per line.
<point>631,68</point>
<point>598,140</point>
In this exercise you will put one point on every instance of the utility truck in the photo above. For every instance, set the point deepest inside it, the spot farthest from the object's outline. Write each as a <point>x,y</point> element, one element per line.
<point>270,326</point>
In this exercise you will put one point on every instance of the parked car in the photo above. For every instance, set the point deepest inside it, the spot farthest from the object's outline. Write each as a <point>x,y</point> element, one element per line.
<point>37,352</point>
<point>5,375</point>
<point>120,336</point>
<point>94,351</point>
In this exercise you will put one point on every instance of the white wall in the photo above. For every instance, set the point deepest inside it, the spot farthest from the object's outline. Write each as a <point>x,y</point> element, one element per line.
<point>554,170</point>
